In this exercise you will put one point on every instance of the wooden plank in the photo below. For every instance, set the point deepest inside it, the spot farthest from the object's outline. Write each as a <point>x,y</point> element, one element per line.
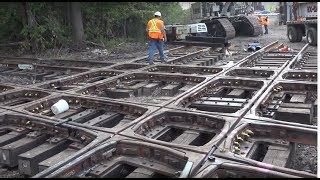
<point>237,93</point>
<point>104,117</point>
<point>296,105</point>
<point>141,172</point>
<point>119,93</point>
<point>221,99</point>
<point>28,161</point>
<point>63,155</point>
<point>170,89</point>
<point>122,123</point>
<point>11,137</point>
<point>11,151</point>
<point>109,120</point>
<point>186,137</point>
<point>297,115</point>
<point>277,155</point>
<point>84,115</point>
<point>185,88</point>
<point>137,88</point>
<point>216,104</point>
<point>150,88</point>
<point>273,107</point>
<point>211,106</point>
<point>68,113</point>
<point>279,95</point>
<point>298,98</point>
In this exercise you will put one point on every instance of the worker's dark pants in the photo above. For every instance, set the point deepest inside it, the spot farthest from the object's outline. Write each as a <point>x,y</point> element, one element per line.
<point>153,44</point>
<point>265,29</point>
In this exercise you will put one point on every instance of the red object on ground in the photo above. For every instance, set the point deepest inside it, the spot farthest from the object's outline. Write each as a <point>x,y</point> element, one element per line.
<point>284,49</point>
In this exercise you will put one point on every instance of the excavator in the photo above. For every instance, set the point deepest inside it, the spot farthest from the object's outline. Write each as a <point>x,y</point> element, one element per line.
<point>223,20</point>
<point>229,20</point>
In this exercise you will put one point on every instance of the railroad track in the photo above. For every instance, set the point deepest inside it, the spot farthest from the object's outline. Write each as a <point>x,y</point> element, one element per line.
<point>202,114</point>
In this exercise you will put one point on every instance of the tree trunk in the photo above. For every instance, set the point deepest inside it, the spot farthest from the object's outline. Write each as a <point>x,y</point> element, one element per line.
<point>125,28</point>
<point>66,21</point>
<point>76,22</point>
<point>23,14</point>
<point>30,23</point>
<point>101,16</point>
<point>68,13</point>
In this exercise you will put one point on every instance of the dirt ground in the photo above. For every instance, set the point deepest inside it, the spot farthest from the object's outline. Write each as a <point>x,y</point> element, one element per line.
<point>119,54</point>
<point>305,158</point>
<point>127,51</point>
<point>276,33</point>
<point>16,80</point>
<point>12,173</point>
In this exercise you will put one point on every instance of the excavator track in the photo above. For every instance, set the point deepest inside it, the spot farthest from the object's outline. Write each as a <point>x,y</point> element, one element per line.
<point>246,25</point>
<point>257,30</point>
<point>220,27</point>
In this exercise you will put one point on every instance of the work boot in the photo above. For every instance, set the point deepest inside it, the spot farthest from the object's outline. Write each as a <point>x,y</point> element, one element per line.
<point>164,61</point>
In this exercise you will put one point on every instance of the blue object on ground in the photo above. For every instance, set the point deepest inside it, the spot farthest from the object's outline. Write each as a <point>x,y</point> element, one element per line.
<point>254,46</point>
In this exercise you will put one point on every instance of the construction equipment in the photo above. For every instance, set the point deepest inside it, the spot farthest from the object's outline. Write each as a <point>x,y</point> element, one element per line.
<point>304,23</point>
<point>226,19</point>
<point>179,32</point>
<point>193,35</point>
<point>218,24</point>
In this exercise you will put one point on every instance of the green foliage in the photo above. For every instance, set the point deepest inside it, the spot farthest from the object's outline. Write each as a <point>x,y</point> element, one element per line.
<point>10,22</point>
<point>116,41</point>
<point>108,23</point>
<point>270,8</point>
<point>172,13</point>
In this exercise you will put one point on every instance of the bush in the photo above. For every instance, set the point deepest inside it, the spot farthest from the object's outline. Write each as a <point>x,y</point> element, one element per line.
<point>108,23</point>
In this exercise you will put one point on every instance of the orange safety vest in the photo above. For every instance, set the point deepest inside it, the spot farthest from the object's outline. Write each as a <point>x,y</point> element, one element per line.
<point>266,22</point>
<point>260,20</point>
<point>154,30</point>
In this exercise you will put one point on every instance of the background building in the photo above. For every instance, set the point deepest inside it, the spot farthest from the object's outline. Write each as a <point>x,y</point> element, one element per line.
<point>185,5</point>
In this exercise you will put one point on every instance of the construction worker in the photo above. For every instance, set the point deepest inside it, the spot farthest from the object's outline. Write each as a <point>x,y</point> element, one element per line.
<point>266,24</point>
<point>157,36</point>
<point>260,19</point>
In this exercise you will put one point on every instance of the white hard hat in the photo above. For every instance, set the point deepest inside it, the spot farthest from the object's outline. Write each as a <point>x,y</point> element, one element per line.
<point>157,13</point>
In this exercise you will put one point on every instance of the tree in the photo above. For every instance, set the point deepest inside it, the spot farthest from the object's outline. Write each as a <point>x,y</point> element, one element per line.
<point>30,24</point>
<point>63,24</point>
<point>76,23</point>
